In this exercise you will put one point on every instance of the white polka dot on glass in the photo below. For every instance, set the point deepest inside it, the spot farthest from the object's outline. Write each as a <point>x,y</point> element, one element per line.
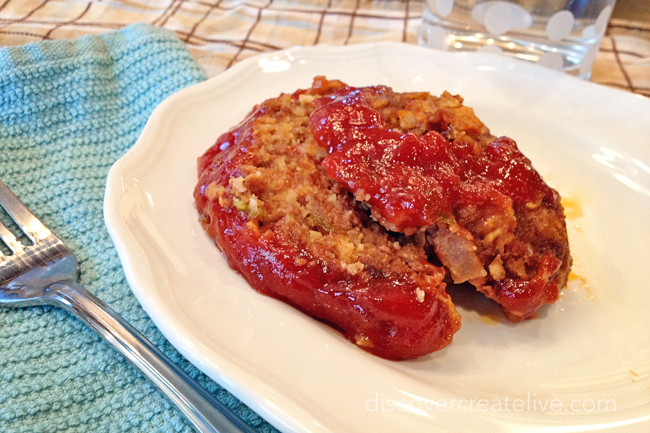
<point>560,25</point>
<point>490,49</point>
<point>444,7</point>
<point>499,15</point>
<point>602,20</point>
<point>588,60</point>
<point>551,60</point>
<point>437,38</point>
<point>498,19</point>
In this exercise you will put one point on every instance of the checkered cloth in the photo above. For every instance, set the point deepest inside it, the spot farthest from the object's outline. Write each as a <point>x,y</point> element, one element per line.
<point>220,33</point>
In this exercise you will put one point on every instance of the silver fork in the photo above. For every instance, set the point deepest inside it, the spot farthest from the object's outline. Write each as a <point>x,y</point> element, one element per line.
<point>45,273</point>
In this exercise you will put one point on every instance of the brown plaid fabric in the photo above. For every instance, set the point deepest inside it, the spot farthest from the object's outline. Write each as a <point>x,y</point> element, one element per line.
<point>624,57</point>
<point>219,33</point>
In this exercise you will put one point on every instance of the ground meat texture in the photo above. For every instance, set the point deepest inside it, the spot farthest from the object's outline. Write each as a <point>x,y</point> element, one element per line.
<point>296,234</point>
<point>429,168</point>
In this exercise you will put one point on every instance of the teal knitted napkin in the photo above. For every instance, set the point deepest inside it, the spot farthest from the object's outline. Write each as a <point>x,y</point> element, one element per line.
<point>68,111</point>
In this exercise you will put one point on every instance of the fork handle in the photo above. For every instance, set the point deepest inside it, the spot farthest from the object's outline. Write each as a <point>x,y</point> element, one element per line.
<point>202,410</point>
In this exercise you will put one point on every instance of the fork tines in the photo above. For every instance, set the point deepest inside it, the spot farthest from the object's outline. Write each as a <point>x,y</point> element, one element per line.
<point>24,218</point>
<point>9,239</point>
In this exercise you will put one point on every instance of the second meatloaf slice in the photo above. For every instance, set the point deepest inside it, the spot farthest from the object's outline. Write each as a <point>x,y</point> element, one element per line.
<point>429,168</point>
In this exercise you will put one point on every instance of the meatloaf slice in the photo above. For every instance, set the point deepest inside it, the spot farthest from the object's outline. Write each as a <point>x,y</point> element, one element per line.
<point>429,168</point>
<point>295,234</point>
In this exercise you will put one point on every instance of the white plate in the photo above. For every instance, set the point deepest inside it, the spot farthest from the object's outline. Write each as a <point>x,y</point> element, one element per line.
<point>584,364</point>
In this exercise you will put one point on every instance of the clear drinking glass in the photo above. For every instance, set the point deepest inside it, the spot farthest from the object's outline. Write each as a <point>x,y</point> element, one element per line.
<point>559,34</point>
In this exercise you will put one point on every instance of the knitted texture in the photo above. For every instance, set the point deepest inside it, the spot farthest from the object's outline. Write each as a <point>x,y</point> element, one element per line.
<point>68,111</point>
